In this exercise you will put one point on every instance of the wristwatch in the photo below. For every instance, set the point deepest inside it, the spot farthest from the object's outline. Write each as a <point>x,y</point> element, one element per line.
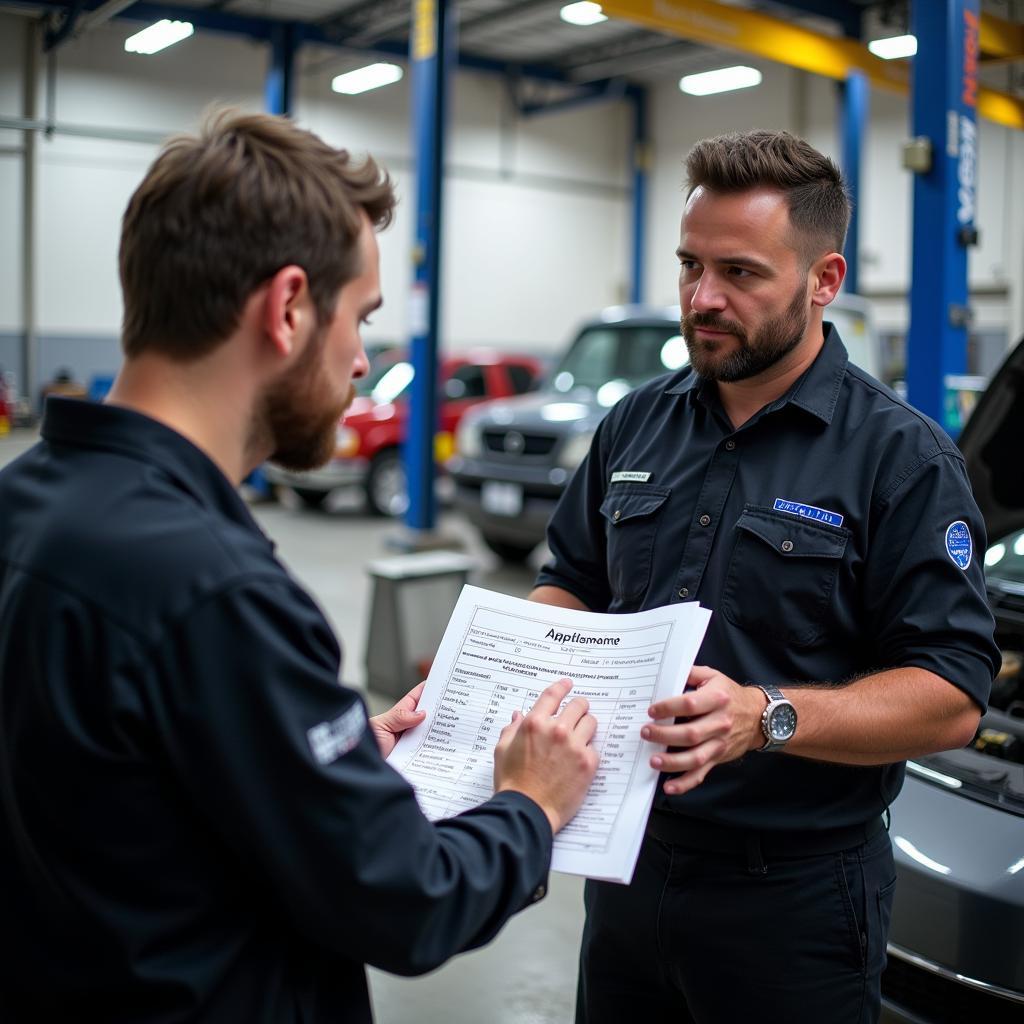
<point>778,720</point>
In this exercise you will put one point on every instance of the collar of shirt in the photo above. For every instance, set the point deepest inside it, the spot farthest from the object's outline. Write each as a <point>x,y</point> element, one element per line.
<point>816,391</point>
<point>114,428</point>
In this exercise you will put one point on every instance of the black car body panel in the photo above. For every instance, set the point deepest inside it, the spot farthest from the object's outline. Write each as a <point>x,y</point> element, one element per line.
<point>957,935</point>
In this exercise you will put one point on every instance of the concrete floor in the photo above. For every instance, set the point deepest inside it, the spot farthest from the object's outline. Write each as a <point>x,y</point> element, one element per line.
<point>528,974</point>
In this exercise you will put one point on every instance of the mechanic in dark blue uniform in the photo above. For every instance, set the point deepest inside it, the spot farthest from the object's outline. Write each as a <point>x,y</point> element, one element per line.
<point>831,529</point>
<point>196,822</point>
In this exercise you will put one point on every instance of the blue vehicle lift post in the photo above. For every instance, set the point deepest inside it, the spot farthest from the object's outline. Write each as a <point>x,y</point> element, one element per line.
<point>431,55</point>
<point>641,164</point>
<point>277,88</point>
<point>945,93</point>
<point>855,100</point>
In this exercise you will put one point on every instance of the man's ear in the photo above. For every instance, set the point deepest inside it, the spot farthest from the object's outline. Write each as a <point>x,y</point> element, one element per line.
<point>287,309</point>
<point>827,275</point>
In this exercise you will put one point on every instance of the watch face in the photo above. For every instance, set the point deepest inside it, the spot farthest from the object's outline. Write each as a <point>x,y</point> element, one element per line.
<point>783,722</point>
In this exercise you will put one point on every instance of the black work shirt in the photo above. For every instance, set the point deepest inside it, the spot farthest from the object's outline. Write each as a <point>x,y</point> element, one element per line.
<point>829,537</point>
<point>195,821</point>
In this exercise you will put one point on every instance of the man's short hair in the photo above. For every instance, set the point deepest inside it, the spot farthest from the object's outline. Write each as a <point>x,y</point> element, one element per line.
<point>819,202</point>
<point>221,212</point>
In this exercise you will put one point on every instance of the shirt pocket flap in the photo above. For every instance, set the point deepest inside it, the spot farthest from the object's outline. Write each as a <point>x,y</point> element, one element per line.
<point>622,506</point>
<point>793,537</point>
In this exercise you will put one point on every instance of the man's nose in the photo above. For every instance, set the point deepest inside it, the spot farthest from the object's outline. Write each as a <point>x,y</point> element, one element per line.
<point>361,367</point>
<point>707,295</point>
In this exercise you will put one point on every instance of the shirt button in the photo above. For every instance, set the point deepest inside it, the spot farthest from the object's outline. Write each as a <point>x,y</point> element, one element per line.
<point>787,546</point>
<point>617,514</point>
<point>684,592</point>
<point>705,520</point>
<point>730,446</point>
<point>539,893</point>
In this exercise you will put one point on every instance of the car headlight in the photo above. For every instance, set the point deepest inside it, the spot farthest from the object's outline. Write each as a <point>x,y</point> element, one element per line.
<point>346,443</point>
<point>575,449</point>
<point>469,440</point>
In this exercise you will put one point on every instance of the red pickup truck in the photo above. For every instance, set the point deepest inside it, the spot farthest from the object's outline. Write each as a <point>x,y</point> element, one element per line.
<point>370,435</point>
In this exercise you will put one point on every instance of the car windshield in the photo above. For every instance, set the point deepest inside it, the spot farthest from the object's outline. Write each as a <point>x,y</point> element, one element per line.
<point>1004,563</point>
<point>611,359</point>
<point>386,382</point>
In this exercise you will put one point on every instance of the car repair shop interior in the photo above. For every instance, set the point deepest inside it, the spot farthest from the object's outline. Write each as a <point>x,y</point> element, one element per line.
<point>537,147</point>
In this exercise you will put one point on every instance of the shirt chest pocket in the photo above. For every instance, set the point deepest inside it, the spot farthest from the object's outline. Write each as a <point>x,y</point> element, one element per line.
<point>781,575</point>
<point>631,515</point>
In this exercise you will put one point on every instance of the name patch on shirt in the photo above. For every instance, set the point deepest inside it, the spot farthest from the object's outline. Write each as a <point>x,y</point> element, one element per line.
<point>630,478</point>
<point>798,508</point>
<point>329,740</point>
<point>959,545</point>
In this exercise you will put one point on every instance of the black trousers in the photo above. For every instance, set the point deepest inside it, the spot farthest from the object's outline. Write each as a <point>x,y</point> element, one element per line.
<point>713,937</point>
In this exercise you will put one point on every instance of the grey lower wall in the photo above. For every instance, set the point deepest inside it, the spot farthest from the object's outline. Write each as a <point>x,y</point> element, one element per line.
<point>83,356</point>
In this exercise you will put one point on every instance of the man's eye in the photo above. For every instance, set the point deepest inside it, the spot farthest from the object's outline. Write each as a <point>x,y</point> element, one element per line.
<point>738,272</point>
<point>688,265</point>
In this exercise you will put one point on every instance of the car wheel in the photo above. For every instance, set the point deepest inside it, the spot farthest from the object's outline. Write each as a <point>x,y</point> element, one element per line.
<point>310,498</point>
<point>387,492</point>
<point>509,551</point>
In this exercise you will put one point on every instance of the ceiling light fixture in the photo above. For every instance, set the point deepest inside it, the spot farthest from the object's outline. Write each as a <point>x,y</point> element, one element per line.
<point>583,14</point>
<point>158,36</point>
<point>373,76</point>
<point>894,47</point>
<point>722,80</point>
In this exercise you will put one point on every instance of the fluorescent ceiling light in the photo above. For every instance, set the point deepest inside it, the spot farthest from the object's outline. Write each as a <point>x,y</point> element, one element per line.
<point>583,14</point>
<point>158,36</point>
<point>722,80</point>
<point>894,47</point>
<point>373,76</point>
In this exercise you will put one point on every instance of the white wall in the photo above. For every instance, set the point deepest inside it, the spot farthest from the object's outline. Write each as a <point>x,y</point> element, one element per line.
<point>807,105</point>
<point>677,123</point>
<point>536,209</point>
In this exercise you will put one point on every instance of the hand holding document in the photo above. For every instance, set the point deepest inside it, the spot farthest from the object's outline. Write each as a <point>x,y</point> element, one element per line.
<point>496,657</point>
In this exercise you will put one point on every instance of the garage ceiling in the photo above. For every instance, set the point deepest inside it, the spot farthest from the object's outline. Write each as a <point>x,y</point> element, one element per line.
<point>530,32</point>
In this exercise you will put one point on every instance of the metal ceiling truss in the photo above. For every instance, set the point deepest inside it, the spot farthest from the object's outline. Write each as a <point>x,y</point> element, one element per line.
<point>380,25</point>
<point>782,41</point>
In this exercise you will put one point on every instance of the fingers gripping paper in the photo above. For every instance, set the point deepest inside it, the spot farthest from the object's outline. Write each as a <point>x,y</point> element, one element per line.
<point>497,655</point>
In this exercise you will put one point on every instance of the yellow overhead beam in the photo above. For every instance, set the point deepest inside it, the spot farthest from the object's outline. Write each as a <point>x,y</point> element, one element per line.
<point>761,35</point>
<point>1000,39</point>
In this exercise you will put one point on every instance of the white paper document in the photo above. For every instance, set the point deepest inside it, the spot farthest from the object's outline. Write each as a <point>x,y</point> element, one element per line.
<point>497,654</point>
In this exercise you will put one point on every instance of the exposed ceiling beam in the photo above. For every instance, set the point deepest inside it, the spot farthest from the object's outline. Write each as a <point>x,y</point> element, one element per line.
<point>367,22</point>
<point>773,39</point>
<point>503,15</point>
<point>1000,40</point>
<point>677,53</point>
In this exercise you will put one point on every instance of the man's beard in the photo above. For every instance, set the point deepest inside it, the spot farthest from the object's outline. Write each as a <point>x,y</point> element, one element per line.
<point>298,415</point>
<point>774,340</point>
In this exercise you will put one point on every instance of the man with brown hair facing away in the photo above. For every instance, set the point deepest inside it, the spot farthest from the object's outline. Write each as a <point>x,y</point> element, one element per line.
<point>196,822</point>
<point>831,529</point>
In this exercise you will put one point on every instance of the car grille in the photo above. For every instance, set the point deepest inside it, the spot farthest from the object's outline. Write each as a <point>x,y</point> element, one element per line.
<point>515,444</point>
<point>941,1001</point>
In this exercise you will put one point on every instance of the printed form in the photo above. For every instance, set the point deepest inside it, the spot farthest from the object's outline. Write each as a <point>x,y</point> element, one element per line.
<point>497,654</point>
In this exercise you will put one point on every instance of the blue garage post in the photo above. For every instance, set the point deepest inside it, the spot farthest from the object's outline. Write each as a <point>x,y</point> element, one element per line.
<point>945,91</point>
<point>855,99</point>
<point>641,164</point>
<point>277,88</point>
<point>277,99</point>
<point>431,53</point>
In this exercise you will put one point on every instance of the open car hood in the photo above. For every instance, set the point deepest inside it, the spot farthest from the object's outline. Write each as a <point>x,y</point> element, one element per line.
<point>992,443</point>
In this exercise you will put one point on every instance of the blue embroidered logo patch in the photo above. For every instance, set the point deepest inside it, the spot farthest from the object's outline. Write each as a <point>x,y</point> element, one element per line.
<point>958,543</point>
<point>798,508</point>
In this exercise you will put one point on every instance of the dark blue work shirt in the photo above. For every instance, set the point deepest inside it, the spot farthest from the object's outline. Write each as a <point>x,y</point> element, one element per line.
<point>833,534</point>
<point>195,821</point>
